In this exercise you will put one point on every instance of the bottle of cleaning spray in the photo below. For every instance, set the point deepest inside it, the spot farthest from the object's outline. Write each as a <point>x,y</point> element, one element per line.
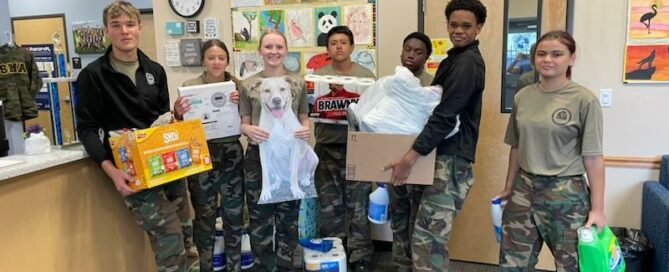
<point>378,205</point>
<point>247,255</point>
<point>496,212</point>
<point>218,259</point>
<point>599,251</point>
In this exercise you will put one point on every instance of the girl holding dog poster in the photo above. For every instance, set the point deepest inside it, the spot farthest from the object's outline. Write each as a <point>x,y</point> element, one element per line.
<point>226,177</point>
<point>284,215</point>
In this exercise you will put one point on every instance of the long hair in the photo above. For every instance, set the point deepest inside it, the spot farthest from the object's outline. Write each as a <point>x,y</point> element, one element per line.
<point>563,37</point>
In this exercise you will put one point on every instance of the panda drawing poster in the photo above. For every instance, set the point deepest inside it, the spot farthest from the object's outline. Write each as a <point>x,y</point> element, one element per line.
<point>325,18</point>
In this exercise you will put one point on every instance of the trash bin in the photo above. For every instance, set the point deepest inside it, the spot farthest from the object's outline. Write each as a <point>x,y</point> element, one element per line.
<point>636,249</point>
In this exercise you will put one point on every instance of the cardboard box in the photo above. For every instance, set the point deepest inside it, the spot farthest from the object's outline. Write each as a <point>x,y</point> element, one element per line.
<point>158,155</point>
<point>367,154</point>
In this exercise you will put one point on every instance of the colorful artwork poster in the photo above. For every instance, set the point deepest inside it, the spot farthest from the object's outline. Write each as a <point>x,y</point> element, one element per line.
<point>272,19</point>
<point>647,63</point>
<point>441,46</point>
<point>293,62</point>
<point>648,22</point>
<point>281,2</point>
<point>359,19</point>
<point>300,27</point>
<point>89,38</point>
<point>325,18</point>
<point>247,63</point>
<point>366,58</point>
<point>315,60</point>
<point>245,29</point>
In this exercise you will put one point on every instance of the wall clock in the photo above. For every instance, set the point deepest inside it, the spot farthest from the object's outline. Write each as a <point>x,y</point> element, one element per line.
<point>187,8</point>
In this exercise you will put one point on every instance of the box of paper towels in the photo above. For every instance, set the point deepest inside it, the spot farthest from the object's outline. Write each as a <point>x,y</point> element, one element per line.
<point>333,260</point>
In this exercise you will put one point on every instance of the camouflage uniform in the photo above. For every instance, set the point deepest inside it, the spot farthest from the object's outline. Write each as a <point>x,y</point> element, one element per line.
<point>157,215</point>
<point>440,203</point>
<point>178,197</point>
<point>265,217</point>
<point>226,178</point>
<point>343,201</point>
<point>543,208</point>
<point>404,201</point>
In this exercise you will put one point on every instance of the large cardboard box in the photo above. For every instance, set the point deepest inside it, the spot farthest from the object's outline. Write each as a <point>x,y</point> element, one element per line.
<point>367,154</point>
<point>158,155</point>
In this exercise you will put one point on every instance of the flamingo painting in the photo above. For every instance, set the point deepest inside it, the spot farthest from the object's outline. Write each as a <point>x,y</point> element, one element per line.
<point>645,19</point>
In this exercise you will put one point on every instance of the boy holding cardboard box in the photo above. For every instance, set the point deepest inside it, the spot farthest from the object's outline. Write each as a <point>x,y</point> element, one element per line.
<point>126,89</point>
<point>462,76</point>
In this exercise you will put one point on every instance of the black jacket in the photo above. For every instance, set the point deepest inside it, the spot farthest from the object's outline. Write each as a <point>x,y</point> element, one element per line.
<point>108,100</point>
<point>462,75</point>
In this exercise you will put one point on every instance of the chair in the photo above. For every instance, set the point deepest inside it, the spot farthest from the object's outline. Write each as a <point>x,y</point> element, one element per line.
<point>655,216</point>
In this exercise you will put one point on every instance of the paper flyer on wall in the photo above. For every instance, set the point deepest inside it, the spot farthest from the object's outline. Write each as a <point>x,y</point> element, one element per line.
<point>211,103</point>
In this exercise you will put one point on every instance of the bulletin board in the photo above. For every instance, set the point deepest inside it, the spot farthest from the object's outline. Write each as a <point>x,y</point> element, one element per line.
<point>305,24</point>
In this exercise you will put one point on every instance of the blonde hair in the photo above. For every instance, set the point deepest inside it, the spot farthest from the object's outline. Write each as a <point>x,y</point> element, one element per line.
<point>272,31</point>
<point>118,8</point>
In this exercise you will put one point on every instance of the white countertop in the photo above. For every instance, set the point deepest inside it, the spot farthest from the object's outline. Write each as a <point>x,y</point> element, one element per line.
<point>33,163</point>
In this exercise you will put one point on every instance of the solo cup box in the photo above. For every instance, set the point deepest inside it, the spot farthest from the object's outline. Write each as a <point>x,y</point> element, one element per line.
<point>158,155</point>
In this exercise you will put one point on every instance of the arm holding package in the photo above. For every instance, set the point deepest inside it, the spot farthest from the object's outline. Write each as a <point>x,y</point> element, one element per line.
<point>89,111</point>
<point>458,85</point>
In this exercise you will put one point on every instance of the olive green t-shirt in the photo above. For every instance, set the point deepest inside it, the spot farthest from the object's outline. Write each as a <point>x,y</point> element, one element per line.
<point>200,81</point>
<point>249,97</point>
<point>553,130</point>
<point>425,78</point>
<point>126,68</point>
<point>336,133</point>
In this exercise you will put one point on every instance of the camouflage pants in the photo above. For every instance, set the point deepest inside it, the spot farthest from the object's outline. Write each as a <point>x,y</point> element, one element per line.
<point>227,179</point>
<point>439,205</point>
<point>264,218</point>
<point>178,197</point>
<point>157,215</point>
<point>404,201</point>
<point>543,208</point>
<point>343,203</point>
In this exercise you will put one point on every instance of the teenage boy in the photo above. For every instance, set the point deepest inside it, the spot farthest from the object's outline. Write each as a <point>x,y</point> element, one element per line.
<point>404,199</point>
<point>462,76</point>
<point>342,200</point>
<point>126,89</point>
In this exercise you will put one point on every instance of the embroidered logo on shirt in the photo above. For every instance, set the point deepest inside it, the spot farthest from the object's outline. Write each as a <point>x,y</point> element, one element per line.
<point>561,116</point>
<point>150,79</point>
<point>10,68</point>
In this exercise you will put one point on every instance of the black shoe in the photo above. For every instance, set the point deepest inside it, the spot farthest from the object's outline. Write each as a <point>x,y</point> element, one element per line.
<point>361,266</point>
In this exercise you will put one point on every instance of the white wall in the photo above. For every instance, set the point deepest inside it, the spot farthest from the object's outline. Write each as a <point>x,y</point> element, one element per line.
<point>634,126</point>
<point>74,10</point>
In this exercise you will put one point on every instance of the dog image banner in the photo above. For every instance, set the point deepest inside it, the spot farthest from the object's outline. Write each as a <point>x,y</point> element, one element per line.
<point>288,163</point>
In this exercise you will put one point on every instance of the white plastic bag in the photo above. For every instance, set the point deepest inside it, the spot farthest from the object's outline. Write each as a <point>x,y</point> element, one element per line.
<point>288,163</point>
<point>36,143</point>
<point>396,104</point>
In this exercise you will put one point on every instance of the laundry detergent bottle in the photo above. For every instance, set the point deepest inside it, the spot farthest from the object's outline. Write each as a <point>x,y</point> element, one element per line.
<point>378,205</point>
<point>599,251</point>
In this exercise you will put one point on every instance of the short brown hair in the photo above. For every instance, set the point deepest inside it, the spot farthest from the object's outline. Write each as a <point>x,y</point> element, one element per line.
<point>118,8</point>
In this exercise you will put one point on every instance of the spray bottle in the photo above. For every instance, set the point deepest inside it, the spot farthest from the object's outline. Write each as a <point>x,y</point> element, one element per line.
<point>218,260</point>
<point>496,210</point>
<point>247,255</point>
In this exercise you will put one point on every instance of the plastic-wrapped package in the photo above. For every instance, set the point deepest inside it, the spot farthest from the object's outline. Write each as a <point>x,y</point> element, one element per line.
<point>288,163</point>
<point>396,104</point>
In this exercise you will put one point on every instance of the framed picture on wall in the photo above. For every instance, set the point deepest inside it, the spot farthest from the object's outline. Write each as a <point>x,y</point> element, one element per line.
<point>190,52</point>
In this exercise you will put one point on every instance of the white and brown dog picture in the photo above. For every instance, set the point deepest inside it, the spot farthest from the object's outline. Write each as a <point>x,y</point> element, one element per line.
<point>288,163</point>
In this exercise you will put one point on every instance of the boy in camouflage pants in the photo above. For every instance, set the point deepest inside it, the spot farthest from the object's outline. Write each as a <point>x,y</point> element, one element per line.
<point>462,77</point>
<point>126,89</point>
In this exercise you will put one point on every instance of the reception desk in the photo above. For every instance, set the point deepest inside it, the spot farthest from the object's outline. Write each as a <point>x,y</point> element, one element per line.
<point>61,213</point>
